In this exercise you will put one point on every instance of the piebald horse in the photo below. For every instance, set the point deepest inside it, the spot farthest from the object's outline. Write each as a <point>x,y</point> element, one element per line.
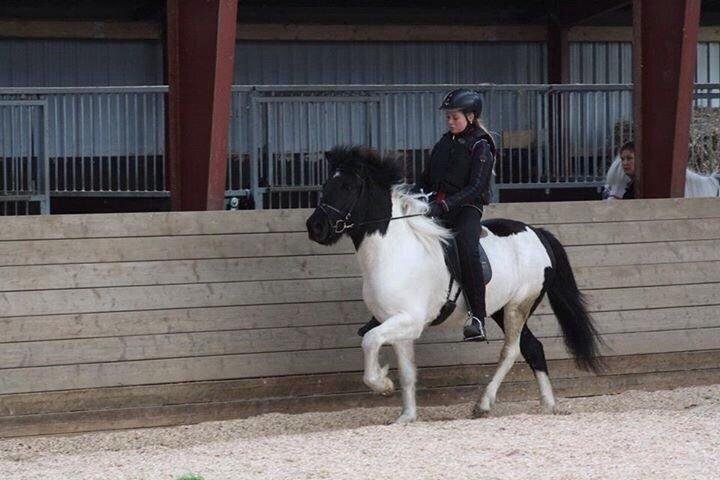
<point>405,278</point>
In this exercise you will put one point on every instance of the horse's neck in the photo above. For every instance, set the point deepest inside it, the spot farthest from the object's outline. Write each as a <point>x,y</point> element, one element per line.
<point>378,247</point>
<point>398,242</point>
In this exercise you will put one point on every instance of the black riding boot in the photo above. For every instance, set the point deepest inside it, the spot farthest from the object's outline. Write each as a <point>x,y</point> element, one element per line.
<point>474,330</point>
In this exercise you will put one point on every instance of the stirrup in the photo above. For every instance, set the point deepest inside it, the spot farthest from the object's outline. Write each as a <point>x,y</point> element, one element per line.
<point>474,330</point>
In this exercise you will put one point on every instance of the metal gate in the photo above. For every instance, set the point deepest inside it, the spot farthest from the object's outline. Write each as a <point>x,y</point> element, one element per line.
<point>24,187</point>
<point>291,133</point>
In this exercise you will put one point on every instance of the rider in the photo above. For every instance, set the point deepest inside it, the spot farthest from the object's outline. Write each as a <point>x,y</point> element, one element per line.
<point>459,175</point>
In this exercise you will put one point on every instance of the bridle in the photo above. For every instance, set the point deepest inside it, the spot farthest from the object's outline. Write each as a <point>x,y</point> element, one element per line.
<point>343,222</point>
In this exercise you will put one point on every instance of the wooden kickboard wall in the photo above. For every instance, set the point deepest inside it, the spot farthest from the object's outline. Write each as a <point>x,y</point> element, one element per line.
<point>135,320</point>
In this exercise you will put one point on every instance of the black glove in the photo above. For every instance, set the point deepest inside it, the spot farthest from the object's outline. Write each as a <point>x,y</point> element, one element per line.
<point>435,209</point>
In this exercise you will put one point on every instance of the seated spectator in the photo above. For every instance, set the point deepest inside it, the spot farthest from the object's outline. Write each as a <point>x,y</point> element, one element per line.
<point>620,182</point>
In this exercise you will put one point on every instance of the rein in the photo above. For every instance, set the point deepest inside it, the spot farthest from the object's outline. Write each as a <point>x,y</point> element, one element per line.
<point>344,224</point>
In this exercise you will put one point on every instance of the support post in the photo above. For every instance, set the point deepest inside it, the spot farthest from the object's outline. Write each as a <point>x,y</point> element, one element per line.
<point>665,50</point>
<point>200,51</point>
<point>558,72</point>
<point>557,52</point>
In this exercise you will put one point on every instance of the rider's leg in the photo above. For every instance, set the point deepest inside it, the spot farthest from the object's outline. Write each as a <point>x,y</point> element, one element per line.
<point>468,228</point>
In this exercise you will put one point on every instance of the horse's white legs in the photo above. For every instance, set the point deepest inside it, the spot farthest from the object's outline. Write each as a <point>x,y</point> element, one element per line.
<point>398,328</point>
<point>547,398</point>
<point>514,321</point>
<point>405,352</point>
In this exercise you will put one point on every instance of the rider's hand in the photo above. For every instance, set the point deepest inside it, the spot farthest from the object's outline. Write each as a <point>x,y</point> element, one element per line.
<point>435,209</point>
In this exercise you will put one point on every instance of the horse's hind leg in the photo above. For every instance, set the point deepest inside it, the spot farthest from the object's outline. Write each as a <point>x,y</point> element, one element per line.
<point>513,321</point>
<point>534,354</point>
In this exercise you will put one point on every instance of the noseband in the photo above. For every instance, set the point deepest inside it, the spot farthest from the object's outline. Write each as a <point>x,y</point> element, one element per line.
<point>342,224</point>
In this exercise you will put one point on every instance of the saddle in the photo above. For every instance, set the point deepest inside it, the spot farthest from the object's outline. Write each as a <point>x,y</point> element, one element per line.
<point>452,261</point>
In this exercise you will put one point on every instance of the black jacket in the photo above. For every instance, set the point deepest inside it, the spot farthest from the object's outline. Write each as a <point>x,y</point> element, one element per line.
<point>629,191</point>
<point>461,167</point>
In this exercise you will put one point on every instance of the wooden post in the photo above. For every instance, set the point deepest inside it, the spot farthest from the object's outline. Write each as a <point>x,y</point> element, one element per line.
<point>558,72</point>
<point>200,52</point>
<point>557,52</point>
<point>666,33</point>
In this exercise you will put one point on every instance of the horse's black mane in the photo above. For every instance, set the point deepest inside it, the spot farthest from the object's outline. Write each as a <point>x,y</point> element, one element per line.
<point>367,163</point>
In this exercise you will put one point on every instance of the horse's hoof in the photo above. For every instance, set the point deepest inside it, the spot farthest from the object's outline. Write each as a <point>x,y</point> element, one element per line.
<point>479,412</point>
<point>388,388</point>
<point>404,419</point>
<point>557,410</point>
<point>554,410</point>
<point>384,386</point>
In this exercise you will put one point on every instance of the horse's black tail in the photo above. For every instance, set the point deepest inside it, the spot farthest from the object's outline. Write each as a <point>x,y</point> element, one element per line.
<point>569,306</point>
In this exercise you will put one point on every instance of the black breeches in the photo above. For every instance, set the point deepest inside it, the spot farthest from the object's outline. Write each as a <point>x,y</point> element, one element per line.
<point>465,222</point>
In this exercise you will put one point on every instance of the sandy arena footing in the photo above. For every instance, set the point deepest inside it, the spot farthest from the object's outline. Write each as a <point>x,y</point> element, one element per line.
<point>635,435</point>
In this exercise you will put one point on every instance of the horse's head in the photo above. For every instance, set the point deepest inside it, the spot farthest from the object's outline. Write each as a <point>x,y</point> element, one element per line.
<point>358,189</point>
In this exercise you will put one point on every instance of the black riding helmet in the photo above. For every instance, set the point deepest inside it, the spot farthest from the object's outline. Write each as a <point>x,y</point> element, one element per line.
<point>463,99</point>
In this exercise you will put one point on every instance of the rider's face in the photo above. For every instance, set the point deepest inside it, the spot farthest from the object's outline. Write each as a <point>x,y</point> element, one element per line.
<point>456,120</point>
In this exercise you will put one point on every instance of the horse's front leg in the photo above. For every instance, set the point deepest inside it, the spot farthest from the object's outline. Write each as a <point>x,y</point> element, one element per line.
<point>405,352</point>
<point>399,330</point>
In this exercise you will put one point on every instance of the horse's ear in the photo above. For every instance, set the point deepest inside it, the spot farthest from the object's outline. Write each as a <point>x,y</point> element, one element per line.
<point>339,157</point>
<point>333,159</point>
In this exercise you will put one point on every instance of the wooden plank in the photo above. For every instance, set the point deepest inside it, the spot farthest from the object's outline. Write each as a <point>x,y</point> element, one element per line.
<point>643,253</point>
<point>324,384</point>
<point>114,274</point>
<point>93,275</point>
<point>589,212</point>
<point>608,233</point>
<point>154,224</point>
<point>392,33</point>
<point>146,322</point>
<point>116,30</point>
<point>617,276</point>
<point>42,252</point>
<point>144,372</point>
<point>66,301</point>
<point>77,422</point>
<point>264,340</point>
<point>588,33</point>
<point>208,319</point>
<point>43,302</point>
<point>22,28</point>
<point>38,252</point>
<point>206,223</point>
<point>648,297</point>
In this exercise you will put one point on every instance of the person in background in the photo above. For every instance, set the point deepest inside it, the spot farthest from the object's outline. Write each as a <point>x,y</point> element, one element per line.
<point>620,181</point>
